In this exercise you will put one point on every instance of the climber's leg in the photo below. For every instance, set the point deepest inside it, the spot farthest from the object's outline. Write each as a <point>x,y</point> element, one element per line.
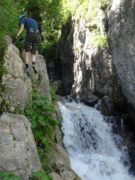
<point>33,57</point>
<point>27,47</point>
<point>33,50</point>
<point>27,57</point>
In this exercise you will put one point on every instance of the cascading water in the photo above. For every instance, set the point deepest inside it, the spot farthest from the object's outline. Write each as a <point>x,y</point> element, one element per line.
<point>95,152</point>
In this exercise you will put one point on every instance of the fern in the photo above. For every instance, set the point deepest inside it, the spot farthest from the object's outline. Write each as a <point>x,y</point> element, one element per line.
<point>40,115</point>
<point>40,175</point>
<point>8,176</point>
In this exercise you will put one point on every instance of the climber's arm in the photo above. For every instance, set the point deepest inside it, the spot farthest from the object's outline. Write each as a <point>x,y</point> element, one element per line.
<point>20,30</point>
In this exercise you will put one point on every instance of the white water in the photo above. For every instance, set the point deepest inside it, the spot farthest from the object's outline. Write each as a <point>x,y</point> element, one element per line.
<point>90,143</point>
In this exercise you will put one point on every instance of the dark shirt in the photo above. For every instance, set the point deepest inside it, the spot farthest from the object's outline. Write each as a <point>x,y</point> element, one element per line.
<point>30,24</point>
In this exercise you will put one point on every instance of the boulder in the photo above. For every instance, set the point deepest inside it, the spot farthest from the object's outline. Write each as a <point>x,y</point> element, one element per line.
<point>68,175</point>
<point>59,136</point>
<point>18,152</point>
<point>60,156</point>
<point>55,176</point>
<point>106,106</point>
<point>60,161</point>
<point>40,81</point>
<point>17,87</point>
<point>90,99</point>
<point>43,85</point>
<point>121,22</point>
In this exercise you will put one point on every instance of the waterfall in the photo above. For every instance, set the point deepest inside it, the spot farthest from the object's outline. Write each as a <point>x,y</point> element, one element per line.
<point>96,153</point>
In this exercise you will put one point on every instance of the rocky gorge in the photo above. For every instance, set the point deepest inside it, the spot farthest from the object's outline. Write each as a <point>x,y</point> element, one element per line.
<point>96,66</point>
<point>18,151</point>
<point>100,70</point>
<point>91,70</point>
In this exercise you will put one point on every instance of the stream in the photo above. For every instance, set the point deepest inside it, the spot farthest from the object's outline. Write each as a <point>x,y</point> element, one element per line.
<point>96,152</point>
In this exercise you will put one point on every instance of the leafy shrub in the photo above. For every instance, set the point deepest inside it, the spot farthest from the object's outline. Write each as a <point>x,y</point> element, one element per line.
<point>8,26</point>
<point>8,176</point>
<point>40,175</point>
<point>54,88</point>
<point>40,115</point>
<point>98,40</point>
<point>8,19</point>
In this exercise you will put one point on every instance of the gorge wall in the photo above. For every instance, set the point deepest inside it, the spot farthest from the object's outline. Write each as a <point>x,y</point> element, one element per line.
<point>86,70</point>
<point>122,44</point>
<point>18,151</point>
<point>106,70</point>
<point>82,64</point>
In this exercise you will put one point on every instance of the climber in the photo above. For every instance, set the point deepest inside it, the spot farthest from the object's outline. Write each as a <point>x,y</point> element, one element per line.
<point>32,39</point>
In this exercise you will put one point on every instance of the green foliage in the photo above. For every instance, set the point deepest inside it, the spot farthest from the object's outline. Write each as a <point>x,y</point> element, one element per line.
<point>9,176</point>
<point>8,25</point>
<point>2,69</point>
<point>49,16</point>
<point>104,4</point>
<point>98,40</point>
<point>40,115</point>
<point>52,14</point>
<point>89,9</point>
<point>40,175</point>
<point>8,19</point>
<point>83,8</point>
<point>45,156</point>
<point>54,88</point>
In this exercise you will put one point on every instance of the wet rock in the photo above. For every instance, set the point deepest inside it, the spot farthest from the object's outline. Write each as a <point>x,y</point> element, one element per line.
<point>68,98</point>
<point>90,99</point>
<point>106,106</point>
<point>60,161</point>
<point>68,175</point>
<point>43,84</point>
<point>60,157</point>
<point>55,176</point>
<point>58,136</point>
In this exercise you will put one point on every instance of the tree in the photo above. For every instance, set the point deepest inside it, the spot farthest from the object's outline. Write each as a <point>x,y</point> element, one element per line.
<point>8,19</point>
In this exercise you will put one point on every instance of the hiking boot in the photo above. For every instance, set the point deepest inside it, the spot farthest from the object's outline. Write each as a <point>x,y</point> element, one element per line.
<point>34,69</point>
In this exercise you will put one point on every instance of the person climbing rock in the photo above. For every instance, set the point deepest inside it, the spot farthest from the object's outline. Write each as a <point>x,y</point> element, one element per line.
<point>32,39</point>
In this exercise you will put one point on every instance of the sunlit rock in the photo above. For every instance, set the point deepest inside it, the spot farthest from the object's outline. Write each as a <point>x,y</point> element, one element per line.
<point>18,152</point>
<point>17,87</point>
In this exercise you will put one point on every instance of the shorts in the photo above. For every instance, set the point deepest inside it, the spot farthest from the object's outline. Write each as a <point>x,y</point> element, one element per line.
<point>32,40</point>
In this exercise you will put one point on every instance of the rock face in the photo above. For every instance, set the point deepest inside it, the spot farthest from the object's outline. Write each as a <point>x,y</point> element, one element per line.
<point>86,70</point>
<point>92,66</point>
<point>18,153</point>
<point>43,85</point>
<point>17,146</point>
<point>67,58</point>
<point>17,86</point>
<point>122,44</point>
<point>60,160</point>
<point>106,106</point>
